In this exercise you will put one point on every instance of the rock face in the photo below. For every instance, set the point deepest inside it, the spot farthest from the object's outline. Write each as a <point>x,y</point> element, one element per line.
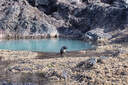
<point>19,18</point>
<point>61,17</point>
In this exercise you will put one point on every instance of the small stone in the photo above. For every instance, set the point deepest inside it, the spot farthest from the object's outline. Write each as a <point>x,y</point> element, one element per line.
<point>38,66</point>
<point>103,57</point>
<point>100,61</point>
<point>88,63</point>
<point>16,68</point>
<point>27,69</point>
<point>64,74</point>
<point>125,66</point>
<point>79,77</point>
<point>123,73</point>
<point>89,78</point>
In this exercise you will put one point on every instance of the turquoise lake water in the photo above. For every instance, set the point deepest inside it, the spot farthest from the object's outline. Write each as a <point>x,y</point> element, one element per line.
<point>44,45</point>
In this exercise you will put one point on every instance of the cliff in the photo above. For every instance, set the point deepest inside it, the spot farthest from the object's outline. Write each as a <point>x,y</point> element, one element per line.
<point>52,18</point>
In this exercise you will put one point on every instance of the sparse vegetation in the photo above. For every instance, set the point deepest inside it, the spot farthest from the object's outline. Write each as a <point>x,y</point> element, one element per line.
<point>107,69</point>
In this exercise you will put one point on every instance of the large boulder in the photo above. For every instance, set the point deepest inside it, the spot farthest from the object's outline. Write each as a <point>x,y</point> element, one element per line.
<point>97,34</point>
<point>19,18</point>
<point>94,16</point>
<point>116,3</point>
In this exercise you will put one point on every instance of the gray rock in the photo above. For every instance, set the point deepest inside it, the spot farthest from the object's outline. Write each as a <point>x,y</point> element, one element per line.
<point>123,73</point>
<point>42,2</point>
<point>87,64</point>
<point>112,1</point>
<point>56,17</point>
<point>79,77</point>
<point>22,19</point>
<point>98,32</point>
<point>27,69</point>
<point>18,68</point>
<point>126,1</point>
<point>65,74</point>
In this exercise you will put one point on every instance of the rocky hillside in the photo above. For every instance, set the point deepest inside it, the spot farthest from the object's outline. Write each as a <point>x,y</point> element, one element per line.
<point>51,18</point>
